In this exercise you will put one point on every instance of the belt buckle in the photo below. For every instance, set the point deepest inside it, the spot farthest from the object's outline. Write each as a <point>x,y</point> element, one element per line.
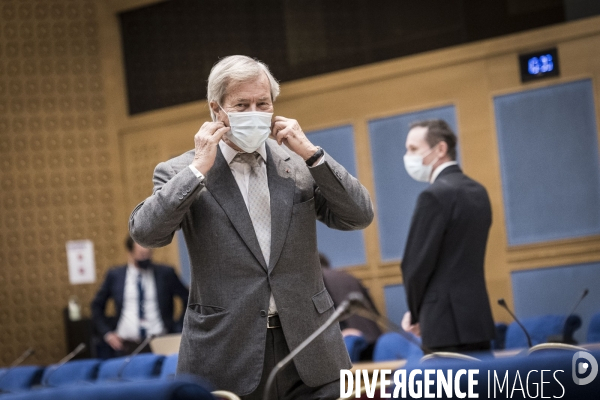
<point>272,317</point>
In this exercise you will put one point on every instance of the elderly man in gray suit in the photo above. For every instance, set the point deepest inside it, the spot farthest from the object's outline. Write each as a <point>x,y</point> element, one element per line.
<point>247,198</point>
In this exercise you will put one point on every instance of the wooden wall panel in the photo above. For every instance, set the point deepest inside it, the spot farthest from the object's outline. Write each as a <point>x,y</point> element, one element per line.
<point>60,166</point>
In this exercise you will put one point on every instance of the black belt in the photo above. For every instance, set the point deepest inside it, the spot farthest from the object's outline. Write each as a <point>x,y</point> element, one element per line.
<point>273,322</point>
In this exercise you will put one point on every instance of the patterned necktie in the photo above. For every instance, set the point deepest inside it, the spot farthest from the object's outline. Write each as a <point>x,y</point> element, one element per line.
<point>259,206</point>
<point>141,305</point>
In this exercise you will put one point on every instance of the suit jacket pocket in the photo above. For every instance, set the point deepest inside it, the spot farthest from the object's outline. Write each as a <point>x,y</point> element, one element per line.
<point>305,206</point>
<point>204,311</point>
<point>201,318</point>
<point>322,301</point>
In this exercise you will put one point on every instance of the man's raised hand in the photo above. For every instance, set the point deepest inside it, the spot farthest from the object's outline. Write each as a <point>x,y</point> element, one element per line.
<point>206,141</point>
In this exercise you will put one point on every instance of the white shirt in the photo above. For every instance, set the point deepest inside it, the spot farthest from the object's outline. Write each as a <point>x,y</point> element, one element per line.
<point>439,169</point>
<point>241,174</point>
<point>129,323</point>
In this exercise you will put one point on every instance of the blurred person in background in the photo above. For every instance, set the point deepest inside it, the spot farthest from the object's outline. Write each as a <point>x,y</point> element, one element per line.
<point>143,294</point>
<point>340,284</point>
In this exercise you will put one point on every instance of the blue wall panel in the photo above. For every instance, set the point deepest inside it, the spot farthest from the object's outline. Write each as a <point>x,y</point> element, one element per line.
<point>343,248</point>
<point>549,162</point>
<point>184,259</point>
<point>396,192</point>
<point>556,290</point>
<point>395,302</point>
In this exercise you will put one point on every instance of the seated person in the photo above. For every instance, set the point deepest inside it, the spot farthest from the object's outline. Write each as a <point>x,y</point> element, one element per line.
<point>340,284</point>
<point>143,294</point>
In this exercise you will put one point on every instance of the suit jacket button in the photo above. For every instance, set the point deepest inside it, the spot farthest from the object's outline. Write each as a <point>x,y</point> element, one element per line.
<point>180,197</point>
<point>263,313</point>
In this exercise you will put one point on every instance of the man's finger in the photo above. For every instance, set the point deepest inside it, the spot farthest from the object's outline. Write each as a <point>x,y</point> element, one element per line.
<point>215,127</point>
<point>282,135</point>
<point>216,137</point>
<point>280,124</point>
<point>275,132</point>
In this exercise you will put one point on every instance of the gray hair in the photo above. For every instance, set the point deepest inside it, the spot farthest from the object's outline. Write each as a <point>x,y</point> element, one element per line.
<point>236,69</point>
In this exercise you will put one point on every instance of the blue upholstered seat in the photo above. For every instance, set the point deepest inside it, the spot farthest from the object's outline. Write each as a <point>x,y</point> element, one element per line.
<point>593,333</point>
<point>393,346</point>
<point>539,328</point>
<point>169,367</point>
<point>148,390</point>
<point>73,372</point>
<point>20,378</point>
<point>139,367</point>
<point>355,345</point>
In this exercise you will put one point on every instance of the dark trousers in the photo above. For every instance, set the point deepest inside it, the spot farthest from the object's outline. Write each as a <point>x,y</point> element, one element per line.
<point>287,384</point>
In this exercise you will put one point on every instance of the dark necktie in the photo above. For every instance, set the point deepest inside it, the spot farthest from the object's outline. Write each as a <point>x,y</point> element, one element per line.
<point>141,305</point>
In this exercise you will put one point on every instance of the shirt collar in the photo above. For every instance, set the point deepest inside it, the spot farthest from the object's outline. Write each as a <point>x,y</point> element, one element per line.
<point>132,268</point>
<point>135,270</point>
<point>229,153</point>
<point>439,169</point>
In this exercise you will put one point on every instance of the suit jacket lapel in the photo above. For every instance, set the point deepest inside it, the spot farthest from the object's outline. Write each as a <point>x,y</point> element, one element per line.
<point>281,189</point>
<point>120,286</point>
<point>222,185</point>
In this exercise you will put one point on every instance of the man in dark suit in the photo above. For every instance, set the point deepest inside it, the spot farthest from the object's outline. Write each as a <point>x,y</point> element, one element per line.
<point>443,261</point>
<point>248,206</point>
<point>340,284</point>
<point>143,294</point>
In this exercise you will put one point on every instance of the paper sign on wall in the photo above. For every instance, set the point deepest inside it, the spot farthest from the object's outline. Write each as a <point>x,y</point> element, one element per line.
<point>80,258</point>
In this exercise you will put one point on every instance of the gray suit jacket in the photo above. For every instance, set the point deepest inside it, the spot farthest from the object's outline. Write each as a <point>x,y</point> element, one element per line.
<point>225,326</point>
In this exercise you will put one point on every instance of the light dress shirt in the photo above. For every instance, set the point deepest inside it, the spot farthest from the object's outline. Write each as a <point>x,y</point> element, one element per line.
<point>129,324</point>
<point>439,169</point>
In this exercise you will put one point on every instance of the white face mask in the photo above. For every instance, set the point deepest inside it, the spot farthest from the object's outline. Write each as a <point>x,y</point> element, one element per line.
<point>415,167</point>
<point>249,129</point>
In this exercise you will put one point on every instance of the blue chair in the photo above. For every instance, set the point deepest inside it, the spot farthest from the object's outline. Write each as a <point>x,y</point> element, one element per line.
<point>73,372</point>
<point>148,390</point>
<point>393,346</point>
<point>169,367</point>
<point>139,367</point>
<point>20,378</point>
<point>593,333</point>
<point>539,328</point>
<point>355,345</point>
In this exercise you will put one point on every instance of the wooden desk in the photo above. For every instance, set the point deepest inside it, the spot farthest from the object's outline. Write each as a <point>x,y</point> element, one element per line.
<point>371,366</point>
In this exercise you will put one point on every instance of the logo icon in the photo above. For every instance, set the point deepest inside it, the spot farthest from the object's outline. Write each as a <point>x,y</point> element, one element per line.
<point>582,367</point>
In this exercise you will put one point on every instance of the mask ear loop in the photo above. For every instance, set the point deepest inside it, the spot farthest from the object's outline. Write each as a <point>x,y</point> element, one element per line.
<point>428,153</point>
<point>226,113</point>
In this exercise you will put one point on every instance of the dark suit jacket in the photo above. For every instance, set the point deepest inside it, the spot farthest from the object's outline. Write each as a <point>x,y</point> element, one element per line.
<point>168,286</point>
<point>443,262</point>
<point>339,284</point>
